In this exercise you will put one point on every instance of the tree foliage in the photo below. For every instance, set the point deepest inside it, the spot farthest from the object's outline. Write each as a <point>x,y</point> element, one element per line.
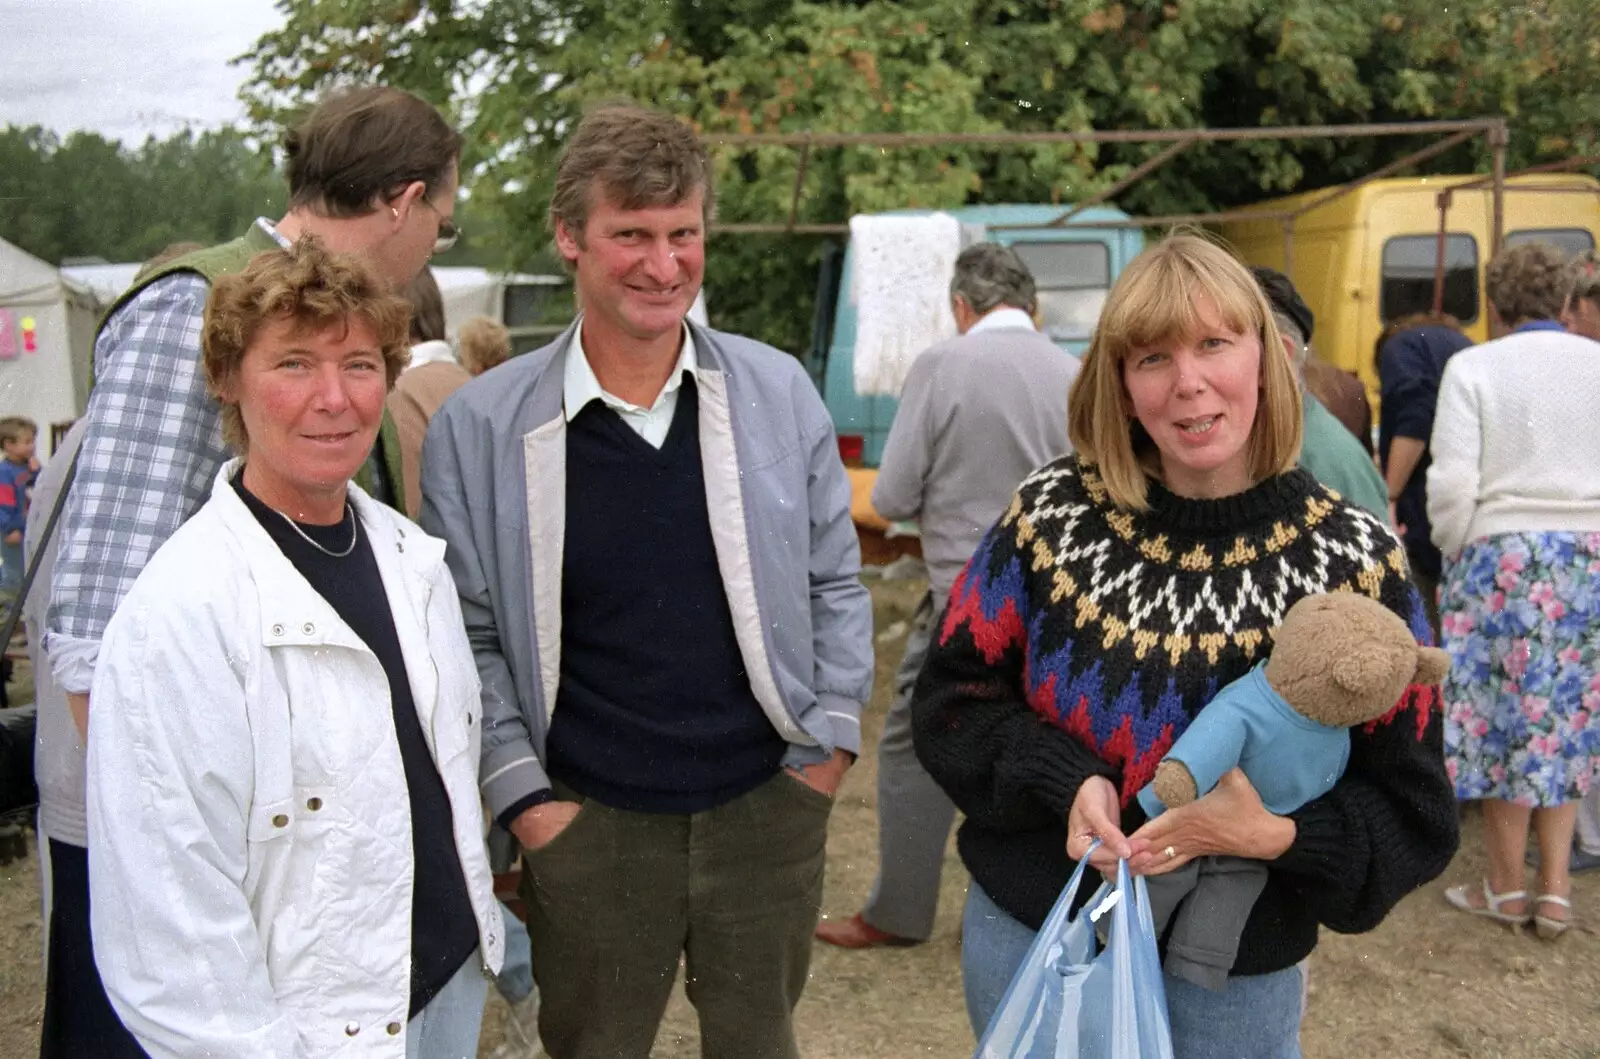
<point>86,196</point>
<point>517,73</point>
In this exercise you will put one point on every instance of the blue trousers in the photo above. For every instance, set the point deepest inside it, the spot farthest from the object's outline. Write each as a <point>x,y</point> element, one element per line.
<point>515,980</point>
<point>448,1027</point>
<point>1255,1017</point>
<point>79,1021</point>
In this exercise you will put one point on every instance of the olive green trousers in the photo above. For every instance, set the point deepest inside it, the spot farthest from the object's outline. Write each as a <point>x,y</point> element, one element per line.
<point>618,898</point>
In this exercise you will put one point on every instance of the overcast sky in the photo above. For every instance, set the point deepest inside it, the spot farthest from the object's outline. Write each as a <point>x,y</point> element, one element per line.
<point>125,68</point>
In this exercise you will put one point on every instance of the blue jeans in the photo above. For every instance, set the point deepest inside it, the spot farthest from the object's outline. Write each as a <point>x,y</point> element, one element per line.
<point>448,1027</point>
<point>1256,1017</point>
<point>515,980</point>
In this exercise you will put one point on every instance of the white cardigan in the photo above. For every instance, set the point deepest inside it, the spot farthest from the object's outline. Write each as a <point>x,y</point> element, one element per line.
<point>249,825</point>
<point>1516,440</point>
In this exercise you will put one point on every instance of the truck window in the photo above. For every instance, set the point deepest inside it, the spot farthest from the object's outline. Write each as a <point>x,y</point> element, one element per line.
<point>1570,241</point>
<point>1072,280</point>
<point>1408,262</point>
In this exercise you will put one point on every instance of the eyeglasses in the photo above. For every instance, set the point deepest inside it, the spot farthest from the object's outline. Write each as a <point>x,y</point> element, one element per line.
<point>448,235</point>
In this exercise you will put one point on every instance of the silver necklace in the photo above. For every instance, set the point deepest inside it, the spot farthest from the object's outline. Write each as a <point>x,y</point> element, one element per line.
<point>355,534</point>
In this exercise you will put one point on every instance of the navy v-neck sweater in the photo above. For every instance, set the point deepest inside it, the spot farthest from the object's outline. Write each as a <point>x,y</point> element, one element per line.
<point>654,712</point>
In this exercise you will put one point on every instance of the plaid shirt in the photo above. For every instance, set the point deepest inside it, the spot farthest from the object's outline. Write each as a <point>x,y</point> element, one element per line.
<point>151,450</point>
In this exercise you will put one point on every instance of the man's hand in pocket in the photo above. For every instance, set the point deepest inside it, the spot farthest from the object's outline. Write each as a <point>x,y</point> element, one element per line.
<point>825,777</point>
<point>539,826</point>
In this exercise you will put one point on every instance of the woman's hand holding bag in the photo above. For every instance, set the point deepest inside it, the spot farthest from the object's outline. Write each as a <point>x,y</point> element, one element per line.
<point>1073,998</point>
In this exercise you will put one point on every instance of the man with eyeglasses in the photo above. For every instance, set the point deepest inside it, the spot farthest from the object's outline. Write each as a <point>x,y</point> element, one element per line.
<point>449,234</point>
<point>372,171</point>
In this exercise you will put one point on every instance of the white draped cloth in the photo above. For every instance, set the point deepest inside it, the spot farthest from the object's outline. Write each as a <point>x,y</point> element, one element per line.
<point>901,289</point>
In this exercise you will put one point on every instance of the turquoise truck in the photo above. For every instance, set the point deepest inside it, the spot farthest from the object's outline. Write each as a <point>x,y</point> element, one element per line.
<point>1072,264</point>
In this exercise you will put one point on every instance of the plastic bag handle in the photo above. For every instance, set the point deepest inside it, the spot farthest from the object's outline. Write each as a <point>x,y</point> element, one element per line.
<point>1077,874</point>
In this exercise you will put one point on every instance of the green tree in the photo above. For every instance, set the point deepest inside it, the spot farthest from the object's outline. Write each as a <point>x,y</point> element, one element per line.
<point>88,196</point>
<point>517,74</point>
<point>24,155</point>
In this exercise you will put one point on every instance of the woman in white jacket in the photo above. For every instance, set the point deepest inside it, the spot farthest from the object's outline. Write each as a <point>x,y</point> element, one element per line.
<point>286,845</point>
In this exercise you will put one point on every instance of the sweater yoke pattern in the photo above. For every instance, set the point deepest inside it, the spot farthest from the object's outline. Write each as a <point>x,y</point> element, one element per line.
<point>1130,622</point>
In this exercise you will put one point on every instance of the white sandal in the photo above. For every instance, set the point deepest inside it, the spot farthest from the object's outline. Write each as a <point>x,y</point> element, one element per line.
<point>1457,896</point>
<point>1547,928</point>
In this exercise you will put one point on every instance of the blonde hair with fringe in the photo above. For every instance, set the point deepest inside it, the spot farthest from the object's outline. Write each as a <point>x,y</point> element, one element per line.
<point>1155,300</point>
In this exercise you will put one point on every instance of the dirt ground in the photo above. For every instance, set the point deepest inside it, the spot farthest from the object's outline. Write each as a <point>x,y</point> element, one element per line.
<point>1428,983</point>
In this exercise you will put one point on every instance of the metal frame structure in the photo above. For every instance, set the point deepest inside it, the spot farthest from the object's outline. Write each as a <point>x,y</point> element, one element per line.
<point>1447,195</point>
<point>1452,133</point>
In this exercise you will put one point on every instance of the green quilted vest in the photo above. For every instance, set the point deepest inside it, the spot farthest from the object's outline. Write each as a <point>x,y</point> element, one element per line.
<point>233,256</point>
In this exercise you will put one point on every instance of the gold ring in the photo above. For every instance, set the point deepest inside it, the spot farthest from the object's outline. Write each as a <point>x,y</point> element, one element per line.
<point>1169,852</point>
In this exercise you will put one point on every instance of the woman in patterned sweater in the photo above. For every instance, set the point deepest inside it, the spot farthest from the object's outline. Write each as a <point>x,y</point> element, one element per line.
<point>1125,585</point>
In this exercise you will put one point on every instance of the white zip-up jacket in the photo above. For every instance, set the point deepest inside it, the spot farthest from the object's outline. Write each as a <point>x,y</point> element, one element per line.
<point>249,825</point>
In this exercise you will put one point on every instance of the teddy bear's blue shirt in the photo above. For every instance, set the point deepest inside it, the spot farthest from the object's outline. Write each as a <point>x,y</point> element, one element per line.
<point>1288,758</point>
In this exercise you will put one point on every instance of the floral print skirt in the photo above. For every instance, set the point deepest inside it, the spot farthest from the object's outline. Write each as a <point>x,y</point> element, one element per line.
<point>1519,614</point>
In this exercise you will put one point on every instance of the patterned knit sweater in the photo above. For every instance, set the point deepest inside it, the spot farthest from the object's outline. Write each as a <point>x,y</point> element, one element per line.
<point>1082,639</point>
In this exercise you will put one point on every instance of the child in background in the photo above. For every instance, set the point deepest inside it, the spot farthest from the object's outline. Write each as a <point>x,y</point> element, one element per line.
<point>17,436</point>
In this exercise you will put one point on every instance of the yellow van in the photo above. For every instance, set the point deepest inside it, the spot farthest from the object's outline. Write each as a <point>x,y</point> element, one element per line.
<point>1368,257</point>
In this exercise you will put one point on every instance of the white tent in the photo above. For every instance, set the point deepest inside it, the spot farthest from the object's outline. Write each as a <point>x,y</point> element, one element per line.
<point>47,324</point>
<point>107,282</point>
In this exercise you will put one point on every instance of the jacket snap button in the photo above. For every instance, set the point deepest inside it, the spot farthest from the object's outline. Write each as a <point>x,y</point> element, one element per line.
<point>280,821</point>
<point>277,630</point>
<point>314,804</point>
<point>308,628</point>
<point>394,1029</point>
<point>352,1028</point>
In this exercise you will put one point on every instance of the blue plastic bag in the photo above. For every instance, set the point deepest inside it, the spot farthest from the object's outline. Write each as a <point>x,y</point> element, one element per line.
<point>1072,1000</point>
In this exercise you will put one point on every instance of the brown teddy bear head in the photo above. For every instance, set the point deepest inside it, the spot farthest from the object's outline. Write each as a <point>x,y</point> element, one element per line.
<point>1344,659</point>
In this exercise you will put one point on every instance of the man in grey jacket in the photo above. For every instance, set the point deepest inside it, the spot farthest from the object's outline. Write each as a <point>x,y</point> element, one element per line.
<point>976,415</point>
<point>649,527</point>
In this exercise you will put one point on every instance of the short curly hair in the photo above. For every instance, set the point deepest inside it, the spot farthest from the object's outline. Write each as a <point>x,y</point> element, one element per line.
<point>989,275</point>
<point>1529,281</point>
<point>1586,277</point>
<point>314,288</point>
<point>485,344</point>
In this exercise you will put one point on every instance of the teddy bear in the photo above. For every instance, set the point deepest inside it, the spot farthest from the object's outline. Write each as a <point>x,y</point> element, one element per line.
<point>1338,660</point>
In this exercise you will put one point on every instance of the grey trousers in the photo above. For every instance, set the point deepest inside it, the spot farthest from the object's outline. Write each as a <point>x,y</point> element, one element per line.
<point>914,814</point>
<point>1204,941</point>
